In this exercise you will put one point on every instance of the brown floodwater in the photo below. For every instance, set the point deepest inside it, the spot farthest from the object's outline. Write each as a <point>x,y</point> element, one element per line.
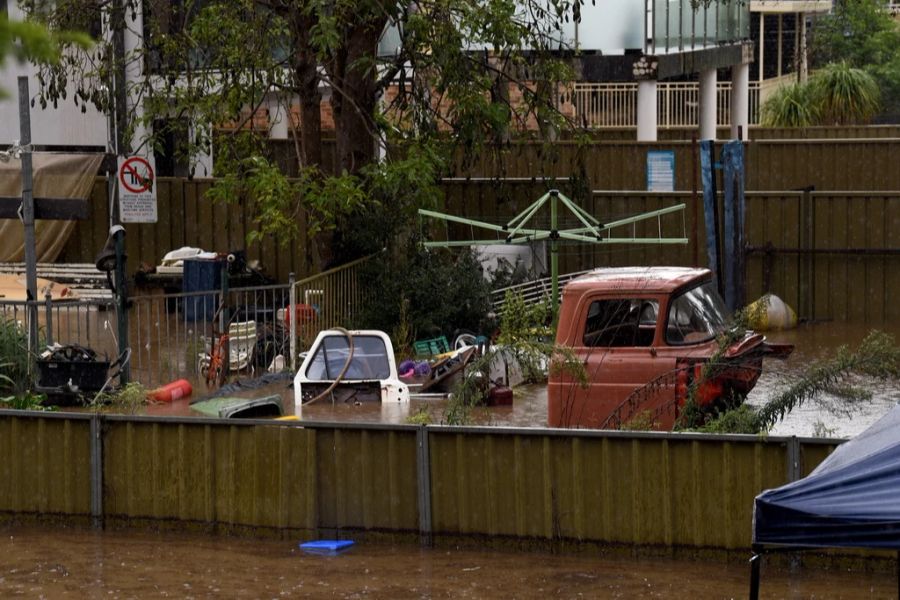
<point>827,416</point>
<point>38,562</point>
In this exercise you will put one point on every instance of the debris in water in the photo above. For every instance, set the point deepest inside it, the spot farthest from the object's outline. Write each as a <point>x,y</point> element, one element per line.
<point>326,547</point>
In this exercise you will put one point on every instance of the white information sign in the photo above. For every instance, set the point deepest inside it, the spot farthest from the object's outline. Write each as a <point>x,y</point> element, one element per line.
<point>660,171</point>
<point>137,189</point>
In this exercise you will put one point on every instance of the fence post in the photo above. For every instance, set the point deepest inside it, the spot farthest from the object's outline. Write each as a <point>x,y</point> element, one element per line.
<point>48,299</point>
<point>423,484</point>
<point>292,308</point>
<point>793,459</point>
<point>97,471</point>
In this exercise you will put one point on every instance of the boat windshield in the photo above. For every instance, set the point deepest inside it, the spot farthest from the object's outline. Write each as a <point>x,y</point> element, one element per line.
<point>370,359</point>
<point>697,315</point>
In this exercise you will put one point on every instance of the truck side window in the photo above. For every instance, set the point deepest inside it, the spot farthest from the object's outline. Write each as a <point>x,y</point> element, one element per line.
<point>621,322</point>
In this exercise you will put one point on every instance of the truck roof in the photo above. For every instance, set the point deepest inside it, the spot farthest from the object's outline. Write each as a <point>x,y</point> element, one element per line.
<point>646,279</point>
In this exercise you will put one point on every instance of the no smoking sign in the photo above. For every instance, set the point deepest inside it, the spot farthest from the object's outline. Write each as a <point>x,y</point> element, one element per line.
<point>137,189</point>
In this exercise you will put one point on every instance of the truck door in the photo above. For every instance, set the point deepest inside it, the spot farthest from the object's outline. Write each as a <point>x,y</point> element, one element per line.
<point>617,345</point>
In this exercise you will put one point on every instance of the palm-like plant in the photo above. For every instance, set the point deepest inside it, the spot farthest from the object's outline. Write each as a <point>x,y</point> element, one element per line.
<point>792,105</point>
<point>845,95</point>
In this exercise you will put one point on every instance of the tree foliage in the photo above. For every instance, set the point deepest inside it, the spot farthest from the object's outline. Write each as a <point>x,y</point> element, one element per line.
<point>845,95</point>
<point>32,41</point>
<point>837,94</point>
<point>458,70</point>
<point>877,357</point>
<point>862,34</point>
<point>437,292</point>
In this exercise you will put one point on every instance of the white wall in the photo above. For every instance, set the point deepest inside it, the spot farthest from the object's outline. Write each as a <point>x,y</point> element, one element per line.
<point>608,26</point>
<point>64,125</point>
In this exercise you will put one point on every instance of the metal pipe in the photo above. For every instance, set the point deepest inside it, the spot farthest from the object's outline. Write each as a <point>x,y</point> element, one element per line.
<point>423,484</point>
<point>48,299</point>
<point>554,251</point>
<point>292,306</point>
<point>97,471</point>
<point>839,251</point>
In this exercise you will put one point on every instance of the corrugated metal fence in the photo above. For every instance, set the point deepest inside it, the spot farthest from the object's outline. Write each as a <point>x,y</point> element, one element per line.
<point>672,490</point>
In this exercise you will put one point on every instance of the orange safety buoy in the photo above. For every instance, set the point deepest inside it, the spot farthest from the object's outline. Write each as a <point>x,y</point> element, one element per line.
<point>180,388</point>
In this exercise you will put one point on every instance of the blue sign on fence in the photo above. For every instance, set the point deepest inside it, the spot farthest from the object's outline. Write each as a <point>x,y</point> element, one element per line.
<point>661,171</point>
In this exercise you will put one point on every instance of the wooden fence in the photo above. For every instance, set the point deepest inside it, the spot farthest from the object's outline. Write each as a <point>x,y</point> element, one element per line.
<point>760,133</point>
<point>830,255</point>
<point>828,164</point>
<point>848,240</point>
<point>187,218</point>
<point>626,488</point>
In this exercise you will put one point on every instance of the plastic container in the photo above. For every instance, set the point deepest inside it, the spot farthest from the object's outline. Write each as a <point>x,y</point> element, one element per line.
<point>304,313</point>
<point>326,547</point>
<point>500,396</point>
<point>170,392</point>
<point>201,276</point>
<point>82,375</point>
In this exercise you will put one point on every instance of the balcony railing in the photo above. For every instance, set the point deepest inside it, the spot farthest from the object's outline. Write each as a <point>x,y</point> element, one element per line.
<point>608,105</point>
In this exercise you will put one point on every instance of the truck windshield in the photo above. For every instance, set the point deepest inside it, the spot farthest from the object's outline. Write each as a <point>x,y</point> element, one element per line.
<point>697,315</point>
<point>370,359</point>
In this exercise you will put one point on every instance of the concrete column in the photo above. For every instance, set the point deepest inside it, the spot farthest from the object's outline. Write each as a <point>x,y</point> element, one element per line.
<point>708,104</point>
<point>804,64</point>
<point>740,100</point>
<point>646,109</point>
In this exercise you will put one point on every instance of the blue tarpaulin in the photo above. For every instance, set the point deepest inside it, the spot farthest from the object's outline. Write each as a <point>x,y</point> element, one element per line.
<point>852,499</point>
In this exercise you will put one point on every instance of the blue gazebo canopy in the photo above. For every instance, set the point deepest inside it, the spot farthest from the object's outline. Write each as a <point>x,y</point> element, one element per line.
<point>852,499</point>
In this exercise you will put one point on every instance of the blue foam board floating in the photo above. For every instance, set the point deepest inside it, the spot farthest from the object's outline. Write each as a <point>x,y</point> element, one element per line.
<point>326,547</point>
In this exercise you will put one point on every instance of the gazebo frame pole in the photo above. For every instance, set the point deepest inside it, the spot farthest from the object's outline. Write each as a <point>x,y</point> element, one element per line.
<point>755,564</point>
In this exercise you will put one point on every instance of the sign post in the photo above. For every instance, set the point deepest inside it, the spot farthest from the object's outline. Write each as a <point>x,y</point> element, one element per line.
<point>28,222</point>
<point>137,190</point>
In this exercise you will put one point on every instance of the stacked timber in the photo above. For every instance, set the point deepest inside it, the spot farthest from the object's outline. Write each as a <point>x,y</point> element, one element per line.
<point>83,278</point>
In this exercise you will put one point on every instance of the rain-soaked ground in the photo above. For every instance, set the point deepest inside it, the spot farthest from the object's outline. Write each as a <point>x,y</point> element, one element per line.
<point>828,416</point>
<point>70,563</point>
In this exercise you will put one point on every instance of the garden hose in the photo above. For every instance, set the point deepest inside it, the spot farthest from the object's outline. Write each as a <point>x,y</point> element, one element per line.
<point>346,366</point>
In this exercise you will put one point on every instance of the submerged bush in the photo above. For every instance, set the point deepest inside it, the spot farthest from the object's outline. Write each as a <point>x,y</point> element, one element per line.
<point>13,357</point>
<point>425,293</point>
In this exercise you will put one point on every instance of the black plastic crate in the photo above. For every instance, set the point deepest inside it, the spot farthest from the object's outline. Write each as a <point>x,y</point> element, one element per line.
<point>88,376</point>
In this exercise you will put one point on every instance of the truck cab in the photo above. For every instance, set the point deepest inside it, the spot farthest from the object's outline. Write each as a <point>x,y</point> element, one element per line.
<point>643,335</point>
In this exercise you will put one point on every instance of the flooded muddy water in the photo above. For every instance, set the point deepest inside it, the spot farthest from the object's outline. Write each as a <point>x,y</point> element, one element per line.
<point>72,563</point>
<point>828,416</point>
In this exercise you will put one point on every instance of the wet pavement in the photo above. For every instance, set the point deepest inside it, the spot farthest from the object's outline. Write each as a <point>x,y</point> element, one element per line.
<point>73,563</point>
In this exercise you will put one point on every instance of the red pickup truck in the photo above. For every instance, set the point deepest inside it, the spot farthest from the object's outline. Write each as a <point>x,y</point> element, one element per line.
<point>643,335</point>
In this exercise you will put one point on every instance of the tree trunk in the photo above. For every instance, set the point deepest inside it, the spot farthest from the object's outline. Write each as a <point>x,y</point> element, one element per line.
<point>354,97</point>
<point>307,81</point>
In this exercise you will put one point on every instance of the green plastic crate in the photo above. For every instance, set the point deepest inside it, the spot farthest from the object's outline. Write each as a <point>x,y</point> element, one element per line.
<point>437,345</point>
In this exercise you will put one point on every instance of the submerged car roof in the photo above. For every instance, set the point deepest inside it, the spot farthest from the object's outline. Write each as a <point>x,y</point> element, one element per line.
<point>636,279</point>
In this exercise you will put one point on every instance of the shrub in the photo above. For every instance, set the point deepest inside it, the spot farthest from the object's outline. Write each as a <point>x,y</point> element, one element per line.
<point>845,95</point>
<point>13,357</point>
<point>792,105</point>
